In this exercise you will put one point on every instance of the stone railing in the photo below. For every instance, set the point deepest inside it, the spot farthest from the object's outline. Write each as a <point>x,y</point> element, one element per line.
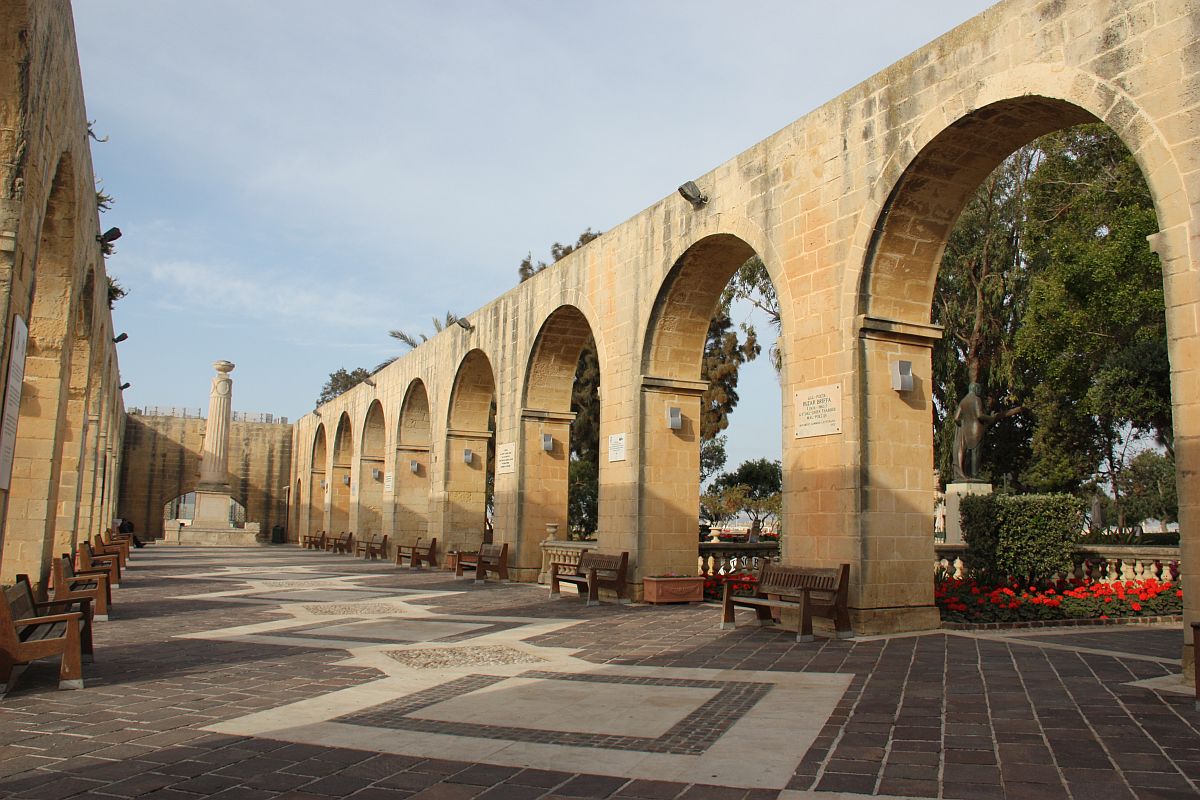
<point>721,558</point>
<point>1105,563</point>
<point>561,551</point>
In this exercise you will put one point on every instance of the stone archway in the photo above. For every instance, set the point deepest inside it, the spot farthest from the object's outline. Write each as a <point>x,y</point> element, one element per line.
<point>467,469</point>
<point>37,460</point>
<point>546,412</point>
<point>671,389</point>
<point>894,305</point>
<point>371,469</point>
<point>318,493</point>
<point>339,480</point>
<point>412,466</point>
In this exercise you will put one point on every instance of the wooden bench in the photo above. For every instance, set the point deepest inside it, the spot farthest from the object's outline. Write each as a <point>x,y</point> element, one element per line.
<point>101,549</point>
<point>490,558</point>
<point>313,541</point>
<point>70,585</point>
<point>595,571</point>
<point>375,547</point>
<point>28,633</point>
<point>123,541</point>
<point>824,591</point>
<point>417,554</point>
<point>88,561</point>
<point>339,544</point>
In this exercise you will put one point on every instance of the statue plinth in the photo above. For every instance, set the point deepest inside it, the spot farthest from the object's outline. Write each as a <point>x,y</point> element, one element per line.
<point>954,494</point>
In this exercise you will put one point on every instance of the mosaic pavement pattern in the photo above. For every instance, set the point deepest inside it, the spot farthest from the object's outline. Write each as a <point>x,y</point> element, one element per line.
<point>282,673</point>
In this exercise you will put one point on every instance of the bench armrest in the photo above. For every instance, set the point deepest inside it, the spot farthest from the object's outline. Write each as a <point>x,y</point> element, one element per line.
<point>53,603</point>
<point>29,621</point>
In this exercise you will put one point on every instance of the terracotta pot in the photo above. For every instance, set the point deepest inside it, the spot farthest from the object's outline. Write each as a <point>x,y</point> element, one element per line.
<point>673,590</point>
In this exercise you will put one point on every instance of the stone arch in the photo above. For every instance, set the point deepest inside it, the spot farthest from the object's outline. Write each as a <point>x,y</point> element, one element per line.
<point>14,38</point>
<point>672,353</point>
<point>945,160</point>
<point>546,411</point>
<point>339,480</point>
<point>465,514</point>
<point>37,462</point>
<point>412,465</point>
<point>370,472</point>
<point>317,486</point>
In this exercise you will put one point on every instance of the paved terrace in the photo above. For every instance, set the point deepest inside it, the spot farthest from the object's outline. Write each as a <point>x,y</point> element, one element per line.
<point>281,673</point>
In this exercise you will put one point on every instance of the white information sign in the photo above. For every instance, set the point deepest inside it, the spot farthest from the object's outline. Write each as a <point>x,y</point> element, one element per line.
<point>388,482</point>
<point>12,400</point>
<point>616,447</point>
<point>819,411</point>
<point>506,458</point>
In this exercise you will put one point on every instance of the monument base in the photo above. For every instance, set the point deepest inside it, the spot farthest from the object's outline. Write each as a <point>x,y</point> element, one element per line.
<point>954,495</point>
<point>198,536</point>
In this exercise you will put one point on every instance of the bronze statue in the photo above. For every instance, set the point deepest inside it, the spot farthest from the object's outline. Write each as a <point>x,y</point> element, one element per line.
<point>972,421</point>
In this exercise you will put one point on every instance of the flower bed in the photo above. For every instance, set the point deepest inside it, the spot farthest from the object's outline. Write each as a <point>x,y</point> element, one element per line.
<point>969,602</point>
<point>743,585</point>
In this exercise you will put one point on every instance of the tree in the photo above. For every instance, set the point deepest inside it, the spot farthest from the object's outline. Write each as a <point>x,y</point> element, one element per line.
<point>724,354</point>
<point>341,382</point>
<point>762,480</point>
<point>583,505</point>
<point>712,457</point>
<point>719,504</point>
<point>1093,341</point>
<point>413,341</point>
<point>558,252</point>
<point>979,301</point>
<point>1148,488</point>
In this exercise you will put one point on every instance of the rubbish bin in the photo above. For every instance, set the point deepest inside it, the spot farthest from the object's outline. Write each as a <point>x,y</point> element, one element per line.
<point>278,536</point>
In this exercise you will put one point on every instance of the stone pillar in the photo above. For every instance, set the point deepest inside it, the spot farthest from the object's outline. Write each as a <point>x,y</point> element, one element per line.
<point>214,456</point>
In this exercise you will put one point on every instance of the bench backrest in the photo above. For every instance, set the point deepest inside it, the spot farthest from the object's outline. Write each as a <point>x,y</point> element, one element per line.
<point>604,562</point>
<point>493,552</point>
<point>20,599</point>
<point>788,580</point>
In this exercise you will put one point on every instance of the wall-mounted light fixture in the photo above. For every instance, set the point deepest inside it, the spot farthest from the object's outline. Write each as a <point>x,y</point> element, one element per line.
<point>376,473</point>
<point>316,413</point>
<point>368,382</point>
<point>674,418</point>
<point>547,442</point>
<point>691,192</point>
<point>125,386</point>
<point>120,337</point>
<point>462,323</point>
<point>323,484</point>
<point>345,480</point>
<point>109,236</point>
<point>468,456</point>
<point>415,466</point>
<point>902,377</point>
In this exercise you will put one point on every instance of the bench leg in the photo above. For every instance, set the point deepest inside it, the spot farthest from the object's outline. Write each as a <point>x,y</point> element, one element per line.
<point>727,621</point>
<point>763,617</point>
<point>481,571</point>
<point>593,587</point>
<point>804,632</point>
<point>70,670</point>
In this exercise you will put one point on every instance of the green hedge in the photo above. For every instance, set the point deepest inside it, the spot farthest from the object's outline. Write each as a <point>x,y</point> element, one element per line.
<point>1024,536</point>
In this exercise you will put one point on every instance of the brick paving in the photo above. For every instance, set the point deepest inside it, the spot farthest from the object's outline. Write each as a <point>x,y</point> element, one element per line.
<point>938,715</point>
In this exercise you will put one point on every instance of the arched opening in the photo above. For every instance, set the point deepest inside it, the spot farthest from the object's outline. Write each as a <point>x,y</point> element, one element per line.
<point>370,473</point>
<point>340,489</point>
<point>559,469</point>
<point>37,460</point>
<point>318,488</point>
<point>900,295</point>
<point>412,466</point>
<point>468,471</point>
<point>674,401</point>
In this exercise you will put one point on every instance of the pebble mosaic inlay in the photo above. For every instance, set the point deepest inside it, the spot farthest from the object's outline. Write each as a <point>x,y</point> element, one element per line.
<point>354,609</point>
<point>442,657</point>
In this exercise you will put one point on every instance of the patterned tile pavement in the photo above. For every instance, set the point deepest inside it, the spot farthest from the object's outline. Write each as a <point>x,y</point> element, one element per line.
<point>938,715</point>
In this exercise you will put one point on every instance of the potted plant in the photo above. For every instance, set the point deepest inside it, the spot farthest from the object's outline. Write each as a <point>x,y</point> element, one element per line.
<point>673,588</point>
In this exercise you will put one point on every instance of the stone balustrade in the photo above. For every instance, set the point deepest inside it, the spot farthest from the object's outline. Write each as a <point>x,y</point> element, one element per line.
<point>1104,563</point>
<point>562,551</point>
<point>722,558</point>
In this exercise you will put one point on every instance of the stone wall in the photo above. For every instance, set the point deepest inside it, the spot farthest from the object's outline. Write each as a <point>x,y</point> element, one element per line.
<point>52,279</point>
<point>161,461</point>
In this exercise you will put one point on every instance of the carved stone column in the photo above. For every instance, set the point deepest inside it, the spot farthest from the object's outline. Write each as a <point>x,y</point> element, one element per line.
<point>214,461</point>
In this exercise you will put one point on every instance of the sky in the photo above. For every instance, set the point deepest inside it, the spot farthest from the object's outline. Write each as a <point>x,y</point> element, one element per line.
<point>292,182</point>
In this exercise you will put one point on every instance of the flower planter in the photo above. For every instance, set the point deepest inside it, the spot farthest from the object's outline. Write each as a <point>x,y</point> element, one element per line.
<point>673,590</point>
